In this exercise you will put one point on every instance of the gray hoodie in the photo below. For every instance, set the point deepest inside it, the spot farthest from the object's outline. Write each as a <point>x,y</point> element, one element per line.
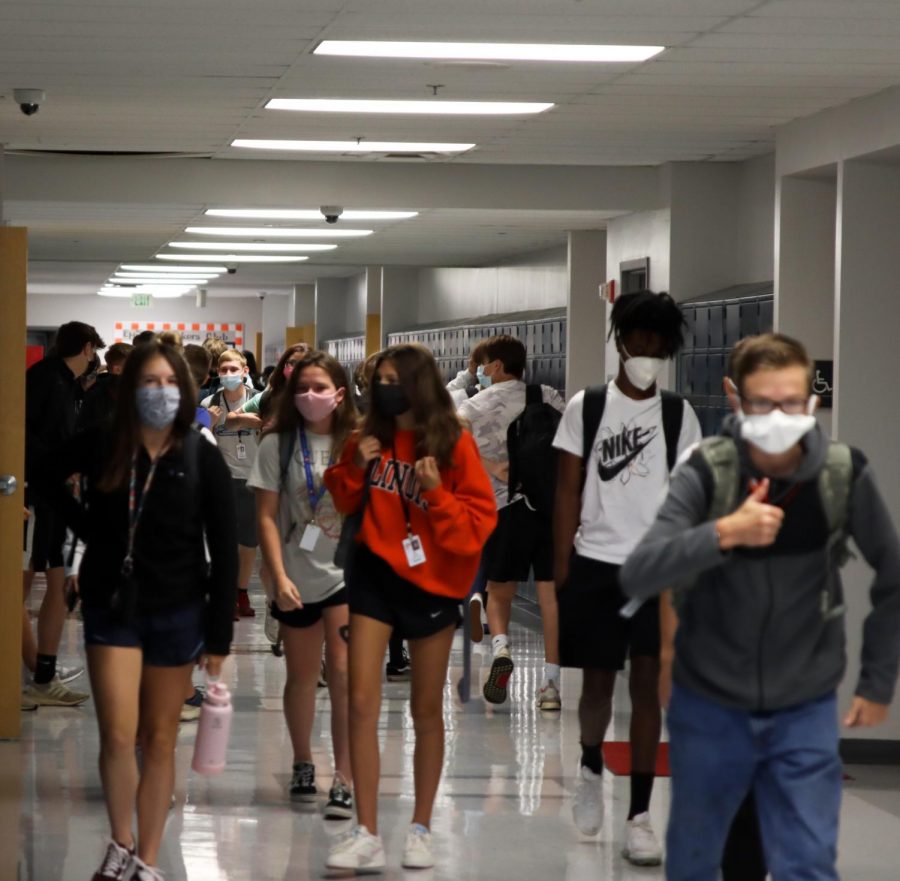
<point>752,633</point>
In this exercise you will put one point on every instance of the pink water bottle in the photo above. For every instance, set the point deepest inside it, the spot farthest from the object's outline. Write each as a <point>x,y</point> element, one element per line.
<point>213,730</point>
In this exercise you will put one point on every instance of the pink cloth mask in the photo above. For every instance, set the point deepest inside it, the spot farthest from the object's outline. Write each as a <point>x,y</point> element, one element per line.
<point>315,406</point>
<point>288,370</point>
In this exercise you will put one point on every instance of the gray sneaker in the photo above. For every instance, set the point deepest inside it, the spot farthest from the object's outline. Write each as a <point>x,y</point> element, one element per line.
<point>55,694</point>
<point>68,674</point>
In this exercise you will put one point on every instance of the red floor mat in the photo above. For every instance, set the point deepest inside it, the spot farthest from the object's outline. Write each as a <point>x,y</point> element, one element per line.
<point>617,758</point>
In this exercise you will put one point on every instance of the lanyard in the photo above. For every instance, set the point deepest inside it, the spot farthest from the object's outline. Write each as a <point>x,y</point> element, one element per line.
<point>135,509</point>
<point>314,496</point>
<point>399,481</point>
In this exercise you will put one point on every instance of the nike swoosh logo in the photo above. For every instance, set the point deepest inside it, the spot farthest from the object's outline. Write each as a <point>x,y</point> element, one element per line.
<point>608,473</point>
<point>434,614</point>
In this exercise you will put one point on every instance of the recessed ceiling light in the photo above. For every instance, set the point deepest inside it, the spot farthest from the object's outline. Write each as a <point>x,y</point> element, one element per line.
<point>351,146</point>
<point>277,232</point>
<point>162,293</point>
<point>187,270</point>
<point>305,214</point>
<point>231,258</point>
<point>427,108</point>
<point>149,279</point>
<point>487,51</point>
<point>262,247</point>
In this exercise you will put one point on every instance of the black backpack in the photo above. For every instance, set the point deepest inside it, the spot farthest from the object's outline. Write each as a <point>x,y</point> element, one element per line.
<point>532,459</point>
<point>672,416</point>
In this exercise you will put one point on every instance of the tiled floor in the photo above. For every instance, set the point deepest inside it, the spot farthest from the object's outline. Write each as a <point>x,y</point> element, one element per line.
<point>503,810</point>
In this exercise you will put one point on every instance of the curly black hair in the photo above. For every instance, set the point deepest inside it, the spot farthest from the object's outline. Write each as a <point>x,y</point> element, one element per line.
<point>650,312</point>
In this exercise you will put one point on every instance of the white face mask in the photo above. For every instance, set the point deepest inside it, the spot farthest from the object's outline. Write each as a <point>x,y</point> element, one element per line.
<point>642,372</point>
<point>775,432</point>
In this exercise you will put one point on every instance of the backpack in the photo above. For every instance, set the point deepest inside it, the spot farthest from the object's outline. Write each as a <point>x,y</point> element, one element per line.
<point>595,404</point>
<point>529,440</point>
<point>834,483</point>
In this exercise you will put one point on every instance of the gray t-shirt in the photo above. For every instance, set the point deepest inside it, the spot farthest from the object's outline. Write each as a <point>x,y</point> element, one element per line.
<point>313,572</point>
<point>230,442</point>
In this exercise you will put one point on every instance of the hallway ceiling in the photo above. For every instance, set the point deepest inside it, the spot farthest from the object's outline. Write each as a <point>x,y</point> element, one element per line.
<point>189,76</point>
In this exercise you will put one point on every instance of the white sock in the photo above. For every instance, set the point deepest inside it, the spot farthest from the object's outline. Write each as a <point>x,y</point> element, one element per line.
<point>551,672</point>
<point>500,641</point>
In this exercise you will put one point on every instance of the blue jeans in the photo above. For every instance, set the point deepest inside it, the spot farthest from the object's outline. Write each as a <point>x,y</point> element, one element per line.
<point>788,758</point>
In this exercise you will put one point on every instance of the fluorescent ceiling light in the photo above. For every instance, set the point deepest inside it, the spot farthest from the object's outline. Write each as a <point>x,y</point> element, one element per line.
<point>106,292</point>
<point>279,248</point>
<point>174,270</point>
<point>351,146</point>
<point>149,279</point>
<point>231,258</point>
<point>305,214</point>
<point>487,51</point>
<point>428,108</point>
<point>277,232</point>
<point>163,294</point>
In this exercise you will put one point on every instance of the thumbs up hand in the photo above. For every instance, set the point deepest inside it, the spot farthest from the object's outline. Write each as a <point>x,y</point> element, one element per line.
<point>754,525</point>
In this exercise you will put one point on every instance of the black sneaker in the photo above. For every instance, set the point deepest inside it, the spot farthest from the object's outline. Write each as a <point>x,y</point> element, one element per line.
<point>340,800</point>
<point>303,782</point>
<point>399,671</point>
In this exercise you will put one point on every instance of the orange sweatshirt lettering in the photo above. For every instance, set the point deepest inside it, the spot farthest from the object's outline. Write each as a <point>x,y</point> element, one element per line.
<point>453,520</point>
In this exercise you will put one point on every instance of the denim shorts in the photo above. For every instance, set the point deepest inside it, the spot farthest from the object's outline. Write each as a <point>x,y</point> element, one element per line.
<point>168,638</point>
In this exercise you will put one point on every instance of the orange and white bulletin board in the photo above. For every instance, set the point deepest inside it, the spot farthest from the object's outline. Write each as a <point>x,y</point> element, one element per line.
<point>233,334</point>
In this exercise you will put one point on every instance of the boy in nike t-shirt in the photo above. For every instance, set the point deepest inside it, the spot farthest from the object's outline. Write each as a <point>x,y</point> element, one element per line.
<point>603,507</point>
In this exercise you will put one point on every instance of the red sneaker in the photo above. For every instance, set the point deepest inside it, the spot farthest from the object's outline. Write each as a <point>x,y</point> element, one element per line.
<point>243,609</point>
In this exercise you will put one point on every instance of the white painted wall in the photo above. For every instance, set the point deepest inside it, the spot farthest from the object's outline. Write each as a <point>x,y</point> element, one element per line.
<point>756,220</point>
<point>277,315</point>
<point>355,306</point>
<point>331,307</point>
<point>51,310</point>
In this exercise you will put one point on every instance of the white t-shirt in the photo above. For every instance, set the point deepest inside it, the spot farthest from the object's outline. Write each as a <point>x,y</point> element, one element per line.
<point>490,414</point>
<point>627,472</point>
<point>313,572</point>
<point>228,440</point>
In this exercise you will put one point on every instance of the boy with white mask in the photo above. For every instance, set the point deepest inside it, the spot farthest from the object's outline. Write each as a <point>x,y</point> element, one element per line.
<point>617,445</point>
<point>753,533</point>
<point>238,445</point>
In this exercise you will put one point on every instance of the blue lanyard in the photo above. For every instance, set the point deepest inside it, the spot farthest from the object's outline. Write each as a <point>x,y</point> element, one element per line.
<point>314,496</point>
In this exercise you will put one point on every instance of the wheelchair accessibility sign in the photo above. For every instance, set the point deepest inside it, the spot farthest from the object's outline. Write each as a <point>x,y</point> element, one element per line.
<point>823,383</point>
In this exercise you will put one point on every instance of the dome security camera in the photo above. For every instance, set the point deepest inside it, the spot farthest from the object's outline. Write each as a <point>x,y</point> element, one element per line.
<point>331,213</point>
<point>231,267</point>
<point>29,100</point>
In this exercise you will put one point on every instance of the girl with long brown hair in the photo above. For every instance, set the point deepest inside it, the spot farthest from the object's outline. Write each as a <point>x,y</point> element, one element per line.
<point>299,530</point>
<point>152,608</point>
<point>428,509</point>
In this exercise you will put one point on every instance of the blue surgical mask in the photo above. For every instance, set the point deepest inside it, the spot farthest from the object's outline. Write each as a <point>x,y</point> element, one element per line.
<point>157,406</point>
<point>232,381</point>
<point>483,380</point>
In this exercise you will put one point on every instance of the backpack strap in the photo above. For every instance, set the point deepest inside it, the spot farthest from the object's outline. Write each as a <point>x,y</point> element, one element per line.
<point>672,417</point>
<point>835,483</point>
<point>534,394</point>
<point>722,459</point>
<point>217,399</point>
<point>592,416</point>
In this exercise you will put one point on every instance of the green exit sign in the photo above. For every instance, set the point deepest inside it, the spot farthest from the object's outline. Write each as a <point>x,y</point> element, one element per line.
<point>140,299</point>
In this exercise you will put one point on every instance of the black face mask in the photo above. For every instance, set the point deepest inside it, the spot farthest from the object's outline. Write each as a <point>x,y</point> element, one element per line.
<point>391,400</point>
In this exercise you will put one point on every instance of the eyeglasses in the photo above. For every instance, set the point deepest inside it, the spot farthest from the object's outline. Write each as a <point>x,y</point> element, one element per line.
<point>762,406</point>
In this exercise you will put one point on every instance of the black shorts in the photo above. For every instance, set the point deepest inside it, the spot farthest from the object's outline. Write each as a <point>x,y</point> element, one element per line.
<point>48,539</point>
<point>376,591</point>
<point>245,502</point>
<point>311,613</point>
<point>592,633</point>
<point>170,638</point>
<point>521,543</point>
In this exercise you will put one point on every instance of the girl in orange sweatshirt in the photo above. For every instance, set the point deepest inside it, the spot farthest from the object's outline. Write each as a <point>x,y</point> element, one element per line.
<point>428,510</point>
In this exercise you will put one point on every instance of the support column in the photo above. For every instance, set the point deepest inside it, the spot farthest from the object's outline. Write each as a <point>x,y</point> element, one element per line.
<point>399,299</point>
<point>374,339</point>
<point>585,311</point>
<point>867,314</point>
<point>13,288</point>
<point>302,314</point>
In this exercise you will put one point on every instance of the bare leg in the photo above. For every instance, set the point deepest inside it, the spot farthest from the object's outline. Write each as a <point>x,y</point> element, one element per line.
<point>499,609</point>
<point>29,645</point>
<point>116,682</point>
<point>546,591</point>
<point>595,706</point>
<point>368,642</point>
<point>337,617</point>
<point>246,559</point>
<point>646,717</point>
<point>162,690</point>
<point>302,655</point>
<point>53,612</point>
<point>428,658</point>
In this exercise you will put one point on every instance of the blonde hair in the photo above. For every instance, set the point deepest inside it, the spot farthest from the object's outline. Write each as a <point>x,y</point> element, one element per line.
<point>232,355</point>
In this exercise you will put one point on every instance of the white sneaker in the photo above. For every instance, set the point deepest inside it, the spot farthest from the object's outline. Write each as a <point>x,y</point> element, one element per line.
<point>115,863</point>
<point>138,870</point>
<point>587,807</point>
<point>498,678</point>
<point>271,627</point>
<point>55,694</point>
<point>359,850</point>
<point>68,674</point>
<point>548,697</point>
<point>476,610</point>
<point>641,847</point>
<point>417,853</point>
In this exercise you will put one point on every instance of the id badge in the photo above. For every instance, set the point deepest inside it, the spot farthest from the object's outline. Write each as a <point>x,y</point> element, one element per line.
<point>241,450</point>
<point>415,553</point>
<point>310,537</point>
